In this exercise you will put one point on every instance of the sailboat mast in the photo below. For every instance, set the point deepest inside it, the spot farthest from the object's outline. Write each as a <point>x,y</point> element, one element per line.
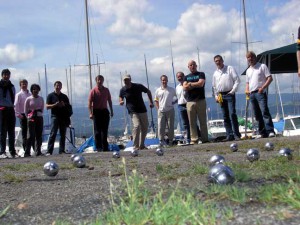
<point>88,42</point>
<point>245,26</point>
<point>152,121</point>
<point>173,64</point>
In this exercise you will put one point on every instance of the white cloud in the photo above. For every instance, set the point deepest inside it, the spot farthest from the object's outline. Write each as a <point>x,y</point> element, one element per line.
<point>12,54</point>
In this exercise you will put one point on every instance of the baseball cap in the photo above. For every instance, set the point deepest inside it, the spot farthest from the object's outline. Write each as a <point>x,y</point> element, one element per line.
<point>126,76</point>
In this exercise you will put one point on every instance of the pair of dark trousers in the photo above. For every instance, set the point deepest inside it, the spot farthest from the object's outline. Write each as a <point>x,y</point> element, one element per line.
<point>185,121</point>
<point>229,114</point>
<point>57,123</point>
<point>259,102</point>
<point>23,125</point>
<point>7,127</point>
<point>101,122</point>
<point>34,134</point>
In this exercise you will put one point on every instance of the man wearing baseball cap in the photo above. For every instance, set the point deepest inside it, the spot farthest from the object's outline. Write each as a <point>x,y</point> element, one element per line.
<point>135,105</point>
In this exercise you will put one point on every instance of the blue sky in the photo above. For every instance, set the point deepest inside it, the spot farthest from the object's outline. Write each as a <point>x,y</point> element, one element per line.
<point>52,32</point>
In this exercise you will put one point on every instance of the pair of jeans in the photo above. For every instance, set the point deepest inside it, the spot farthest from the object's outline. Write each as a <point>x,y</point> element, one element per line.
<point>259,102</point>
<point>185,121</point>
<point>57,123</point>
<point>229,115</point>
<point>101,122</point>
<point>7,127</point>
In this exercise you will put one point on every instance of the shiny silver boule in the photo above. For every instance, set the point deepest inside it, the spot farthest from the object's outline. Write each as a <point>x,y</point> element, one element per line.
<point>159,152</point>
<point>79,161</point>
<point>234,147</point>
<point>269,146</point>
<point>216,159</point>
<point>51,168</point>
<point>253,154</point>
<point>116,155</point>
<point>134,153</point>
<point>221,174</point>
<point>73,156</point>
<point>286,152</point>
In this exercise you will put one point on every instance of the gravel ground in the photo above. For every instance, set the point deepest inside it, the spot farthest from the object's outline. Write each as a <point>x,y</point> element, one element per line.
<point>78,195</point>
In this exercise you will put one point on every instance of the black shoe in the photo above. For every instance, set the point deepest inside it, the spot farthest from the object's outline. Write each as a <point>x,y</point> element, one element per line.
<point>62,152</point>
<point>230,138</point>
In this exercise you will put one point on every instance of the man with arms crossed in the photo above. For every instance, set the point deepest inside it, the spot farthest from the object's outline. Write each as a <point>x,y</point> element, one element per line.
<point>194,84</point>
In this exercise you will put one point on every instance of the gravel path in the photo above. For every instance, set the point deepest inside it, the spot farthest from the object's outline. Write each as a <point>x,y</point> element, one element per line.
<point>78,195</point>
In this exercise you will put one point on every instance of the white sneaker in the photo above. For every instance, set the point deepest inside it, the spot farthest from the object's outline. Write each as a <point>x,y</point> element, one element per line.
<point>3,156</point>
<point>271,134</point>
<point>258,136</point>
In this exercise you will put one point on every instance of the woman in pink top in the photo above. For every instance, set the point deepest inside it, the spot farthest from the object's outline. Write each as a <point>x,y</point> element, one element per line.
<point>33,108</point>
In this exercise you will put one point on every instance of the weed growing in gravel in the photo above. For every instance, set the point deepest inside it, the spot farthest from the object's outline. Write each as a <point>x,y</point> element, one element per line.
<point>4,211</point>
<point>9,177</point>
<point>281,193</point>
<point>138,206</point>
<point>22,167</point>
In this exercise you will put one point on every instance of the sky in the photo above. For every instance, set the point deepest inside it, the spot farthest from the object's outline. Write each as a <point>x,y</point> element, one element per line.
<point>124,34</point>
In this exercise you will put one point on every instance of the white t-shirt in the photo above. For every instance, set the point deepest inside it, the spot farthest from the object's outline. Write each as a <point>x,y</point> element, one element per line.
<point>165,98</point>
<point>180,94</point>
<point>256,76</point>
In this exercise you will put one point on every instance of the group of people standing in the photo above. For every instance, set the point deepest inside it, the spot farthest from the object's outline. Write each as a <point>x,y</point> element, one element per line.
<point>28,106</point>
<point>189,95</point>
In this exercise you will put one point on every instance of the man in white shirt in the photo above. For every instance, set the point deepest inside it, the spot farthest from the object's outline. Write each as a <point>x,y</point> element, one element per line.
<point>258,78</point>
<point>225,83</point>
<point>19,108</point>
<point>164,101</point>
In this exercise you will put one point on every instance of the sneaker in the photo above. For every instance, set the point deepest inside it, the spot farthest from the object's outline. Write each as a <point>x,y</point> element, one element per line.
<point>48,154</point>
<point>236,138</point>
<point>162,143</point>
<point>271,134</point>
<point>3,156</point>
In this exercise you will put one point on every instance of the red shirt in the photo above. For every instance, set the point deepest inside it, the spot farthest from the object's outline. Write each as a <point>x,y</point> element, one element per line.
<point>99,97</point>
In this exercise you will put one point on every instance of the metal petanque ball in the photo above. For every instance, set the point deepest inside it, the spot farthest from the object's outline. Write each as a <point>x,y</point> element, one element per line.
<point>216,159</point>
<point>73,156</point>
<point>286,152</point>
<point>116,154</point>
<point>269,146</point>
<point>51,168</point>
<point>234,147</point>
<point>221,174</point>
<point>134,153</point>
<point>79,161</point>
<point>253,154</point>
<point>159,152</point>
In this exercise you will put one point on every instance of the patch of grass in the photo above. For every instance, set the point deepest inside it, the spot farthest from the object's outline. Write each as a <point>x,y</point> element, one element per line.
<point>137,206</point>
<point>22,167</point>
<point>228,192</point>
<point>281,193</point>
<point>170,171</point>
<point>12,178</point>
<point>198,169</point>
